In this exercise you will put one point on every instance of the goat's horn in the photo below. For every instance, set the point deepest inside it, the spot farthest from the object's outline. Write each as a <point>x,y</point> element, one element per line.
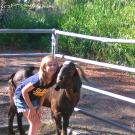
<point>82,72</point>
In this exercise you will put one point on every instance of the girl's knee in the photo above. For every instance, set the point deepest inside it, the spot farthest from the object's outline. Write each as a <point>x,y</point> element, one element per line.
<point>35,124</point>
<point>38,124</point>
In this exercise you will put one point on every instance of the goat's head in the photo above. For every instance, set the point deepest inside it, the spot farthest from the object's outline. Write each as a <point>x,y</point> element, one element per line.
<point>68,77</point>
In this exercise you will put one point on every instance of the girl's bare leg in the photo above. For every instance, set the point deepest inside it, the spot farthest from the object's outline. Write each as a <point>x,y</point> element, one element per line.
<point>34,125</point>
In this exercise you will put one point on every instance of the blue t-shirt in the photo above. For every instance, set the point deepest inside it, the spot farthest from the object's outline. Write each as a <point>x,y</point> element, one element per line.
<point>39,90</point>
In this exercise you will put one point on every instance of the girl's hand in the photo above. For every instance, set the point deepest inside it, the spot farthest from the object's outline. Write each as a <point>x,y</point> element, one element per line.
<point>32,114</point>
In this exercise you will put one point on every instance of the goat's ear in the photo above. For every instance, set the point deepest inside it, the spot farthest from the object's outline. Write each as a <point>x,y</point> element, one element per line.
<point>60,67</point>
<point>77,83</point>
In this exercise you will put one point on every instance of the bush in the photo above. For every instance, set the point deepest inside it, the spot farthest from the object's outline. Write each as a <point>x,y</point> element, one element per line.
<point>106,18</point>
<point>24,16</point>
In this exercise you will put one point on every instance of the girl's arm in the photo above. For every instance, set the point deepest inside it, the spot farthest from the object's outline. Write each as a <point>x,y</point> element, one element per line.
<point>32,113</point>
<point>25,94</point>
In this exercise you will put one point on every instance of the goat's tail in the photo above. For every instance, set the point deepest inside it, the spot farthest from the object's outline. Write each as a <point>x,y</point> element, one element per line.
<point>82,72</point>
<point>12,87</point>
<point>11,81</point>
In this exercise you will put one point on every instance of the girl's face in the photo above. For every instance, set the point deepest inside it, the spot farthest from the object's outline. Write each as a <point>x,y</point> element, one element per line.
<point>51,67</point>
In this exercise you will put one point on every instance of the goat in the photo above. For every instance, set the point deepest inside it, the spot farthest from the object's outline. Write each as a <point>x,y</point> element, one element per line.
<point>63,96</point>
<point>13,81</point>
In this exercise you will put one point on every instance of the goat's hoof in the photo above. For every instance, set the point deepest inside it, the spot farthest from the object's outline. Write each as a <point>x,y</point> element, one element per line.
<point>11,133</point>
<point>23,133</point>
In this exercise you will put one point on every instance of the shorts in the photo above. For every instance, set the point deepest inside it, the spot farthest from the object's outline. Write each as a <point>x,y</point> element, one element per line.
<point>22,106</point>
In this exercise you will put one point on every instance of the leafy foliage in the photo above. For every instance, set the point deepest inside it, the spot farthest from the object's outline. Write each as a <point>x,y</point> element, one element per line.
<point>23,16</point>
<point>104,18</point>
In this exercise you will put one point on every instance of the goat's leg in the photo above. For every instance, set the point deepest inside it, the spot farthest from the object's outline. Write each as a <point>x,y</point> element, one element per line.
<point>19,122</point>
<point>57,119</point>
<point>58,126</point>
<point>65,125</point>
<point>11,113</point>
<point>52,117</point>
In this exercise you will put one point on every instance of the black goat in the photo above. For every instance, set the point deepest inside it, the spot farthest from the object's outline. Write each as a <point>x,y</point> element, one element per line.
<point>14,80</point>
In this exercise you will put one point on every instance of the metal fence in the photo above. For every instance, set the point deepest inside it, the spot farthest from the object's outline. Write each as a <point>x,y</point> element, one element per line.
<point>54,44</point>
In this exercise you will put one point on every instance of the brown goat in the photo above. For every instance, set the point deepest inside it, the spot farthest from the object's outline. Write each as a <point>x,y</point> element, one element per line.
<point>64,96</point>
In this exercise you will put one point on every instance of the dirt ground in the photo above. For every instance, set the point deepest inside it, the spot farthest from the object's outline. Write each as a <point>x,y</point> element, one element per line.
<point>102,106</point>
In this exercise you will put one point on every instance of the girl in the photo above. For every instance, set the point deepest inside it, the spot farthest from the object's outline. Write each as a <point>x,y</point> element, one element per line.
<point>29,95</point>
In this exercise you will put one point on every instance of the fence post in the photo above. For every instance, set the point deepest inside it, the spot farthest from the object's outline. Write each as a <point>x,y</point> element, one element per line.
<point>54,42</point>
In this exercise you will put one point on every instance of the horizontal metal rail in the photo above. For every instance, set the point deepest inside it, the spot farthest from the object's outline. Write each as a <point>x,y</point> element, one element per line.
<point>127,99</point>
<point>101,39</point>
<point>23,54</point>
<point>27,30</point>
<point>84,111</point>
<point>123,68</point>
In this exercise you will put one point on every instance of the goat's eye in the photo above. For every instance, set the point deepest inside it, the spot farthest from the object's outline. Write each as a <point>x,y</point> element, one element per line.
<point>61,77</point>
<point>72,67</point>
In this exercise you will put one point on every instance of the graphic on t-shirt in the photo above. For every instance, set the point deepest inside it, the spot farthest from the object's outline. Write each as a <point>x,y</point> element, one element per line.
<point>39,92</point>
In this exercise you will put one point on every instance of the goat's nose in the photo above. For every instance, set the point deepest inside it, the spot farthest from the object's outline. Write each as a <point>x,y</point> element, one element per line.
<point>57,87</point>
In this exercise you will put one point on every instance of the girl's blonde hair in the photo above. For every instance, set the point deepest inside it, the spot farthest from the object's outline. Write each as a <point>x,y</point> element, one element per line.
<point>43,63</point>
